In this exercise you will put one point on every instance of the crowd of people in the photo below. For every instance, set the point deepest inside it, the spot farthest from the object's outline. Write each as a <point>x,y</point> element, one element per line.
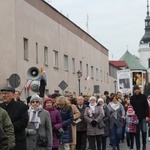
<point>58,122</point>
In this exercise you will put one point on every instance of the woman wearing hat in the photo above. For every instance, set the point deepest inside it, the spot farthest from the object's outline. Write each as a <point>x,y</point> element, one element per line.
<point>39,129</point>
<point>130,128</point>
<point>93,116</point>
<point>103,105</point>
<point>55,119</point>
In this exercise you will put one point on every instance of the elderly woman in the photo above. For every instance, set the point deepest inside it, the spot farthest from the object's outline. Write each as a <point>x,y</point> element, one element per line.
<point>103,105</point>
<point>64,107</point>
<point>39,129</point>
<point>93,116</point>
<point>117,114</point>
<point>55,119</point>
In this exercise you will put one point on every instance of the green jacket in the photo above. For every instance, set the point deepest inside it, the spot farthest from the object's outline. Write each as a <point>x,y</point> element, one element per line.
<point>8,128</point>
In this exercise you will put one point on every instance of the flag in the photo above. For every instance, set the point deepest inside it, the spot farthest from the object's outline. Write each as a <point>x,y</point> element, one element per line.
<point>27,86</point>
<point>87,78</point>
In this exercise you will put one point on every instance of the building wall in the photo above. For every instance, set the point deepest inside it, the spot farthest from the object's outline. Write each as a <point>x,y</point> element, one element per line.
<point>40,23</point>
<point>144,51</point>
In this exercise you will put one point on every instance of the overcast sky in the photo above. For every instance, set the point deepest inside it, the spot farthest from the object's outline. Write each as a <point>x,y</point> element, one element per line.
<point>116,24</point>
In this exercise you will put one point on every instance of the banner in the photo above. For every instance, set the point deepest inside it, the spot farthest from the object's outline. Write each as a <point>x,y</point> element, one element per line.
<point>137,78</point>
<point>124,81</point>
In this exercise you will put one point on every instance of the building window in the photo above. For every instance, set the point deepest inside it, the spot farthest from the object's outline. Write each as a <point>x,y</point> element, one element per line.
<point>149,63</point>
<point>36,52</point>
<point>81,66</point>
<point>97,74</point>
<point>73,65</point>
<point>101,76</point>
<point>107,78</point>
<point>55,59</point>
<point>65,62</point>
<point>87,70</point>
<point>92,73</point>
<point>25,44</point>
<point>45,55</point>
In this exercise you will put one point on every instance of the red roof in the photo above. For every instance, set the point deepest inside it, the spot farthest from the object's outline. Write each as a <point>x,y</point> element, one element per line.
<point>118,64</point>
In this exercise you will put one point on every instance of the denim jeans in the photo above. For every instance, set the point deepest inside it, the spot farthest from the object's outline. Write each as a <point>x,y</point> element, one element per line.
<point>115,135</point>
<point>142,126</point>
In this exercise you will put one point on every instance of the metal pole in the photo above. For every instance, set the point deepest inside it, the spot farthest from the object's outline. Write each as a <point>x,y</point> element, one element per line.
<point>79,85</point>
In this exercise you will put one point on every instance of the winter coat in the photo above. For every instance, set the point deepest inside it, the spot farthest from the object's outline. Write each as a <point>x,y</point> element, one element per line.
<point>3,140</point>
<point>19,116</point>
<point>82,125</point>
<point>67,118</point>
<point>45,130</point>
<point>120,112</point>
<point>56,123</point>
<point>140,105</point>
<point>131,122</point>
<point>7,126</point>
<point>76,115</point>
<point>98,116</point>
<point>106,120</point>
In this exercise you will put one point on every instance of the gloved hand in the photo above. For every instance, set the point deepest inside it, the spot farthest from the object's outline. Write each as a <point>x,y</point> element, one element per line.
<point>94,123</point>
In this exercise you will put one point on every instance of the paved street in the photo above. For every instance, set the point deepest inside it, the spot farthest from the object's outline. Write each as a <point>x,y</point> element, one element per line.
<point>123,146</point>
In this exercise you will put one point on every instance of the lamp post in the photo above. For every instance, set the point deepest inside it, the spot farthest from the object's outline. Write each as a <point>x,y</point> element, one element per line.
<point>79,74</point>
<point>115,83</point>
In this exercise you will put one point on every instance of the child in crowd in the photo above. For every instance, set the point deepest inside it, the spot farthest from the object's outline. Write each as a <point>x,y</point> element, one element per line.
<point>131,122</point>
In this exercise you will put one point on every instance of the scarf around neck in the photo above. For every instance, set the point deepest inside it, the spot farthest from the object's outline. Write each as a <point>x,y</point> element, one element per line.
<point>114,106</point>
<point>33,116</point>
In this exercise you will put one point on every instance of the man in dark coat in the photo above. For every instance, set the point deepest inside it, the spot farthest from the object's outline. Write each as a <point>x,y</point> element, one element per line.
<point>81,126</point>
<point>3,140</point>
<point>140,105</point>
<point>18,114</point>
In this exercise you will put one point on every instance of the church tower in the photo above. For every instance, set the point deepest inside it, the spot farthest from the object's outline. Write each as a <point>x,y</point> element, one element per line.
<point>144,45</point>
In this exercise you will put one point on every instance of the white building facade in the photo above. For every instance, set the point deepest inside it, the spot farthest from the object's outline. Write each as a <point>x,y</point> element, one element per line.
<point>34,34</point>
<point>144,46</point>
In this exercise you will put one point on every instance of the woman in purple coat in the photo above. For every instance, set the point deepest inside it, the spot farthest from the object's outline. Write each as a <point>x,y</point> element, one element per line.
<point>55,118</point>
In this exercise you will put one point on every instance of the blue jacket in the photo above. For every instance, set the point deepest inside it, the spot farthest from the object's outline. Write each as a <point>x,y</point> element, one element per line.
<point>67,118</point>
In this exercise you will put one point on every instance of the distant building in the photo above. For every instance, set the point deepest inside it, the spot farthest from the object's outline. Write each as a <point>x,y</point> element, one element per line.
<point>138,72</point>
<point>34,34</point>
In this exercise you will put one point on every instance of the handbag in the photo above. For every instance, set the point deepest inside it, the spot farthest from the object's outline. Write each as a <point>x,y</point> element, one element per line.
<point>101,125</point>
<point>59,133</point>
<point>42,141</point>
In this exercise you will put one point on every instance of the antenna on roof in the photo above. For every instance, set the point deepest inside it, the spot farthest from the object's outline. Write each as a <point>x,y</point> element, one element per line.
<point>87,23</point>
<point>147,7</point>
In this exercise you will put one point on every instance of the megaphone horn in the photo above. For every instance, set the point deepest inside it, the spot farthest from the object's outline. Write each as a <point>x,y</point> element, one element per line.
<point>35,85</point>
<point>33,73</point>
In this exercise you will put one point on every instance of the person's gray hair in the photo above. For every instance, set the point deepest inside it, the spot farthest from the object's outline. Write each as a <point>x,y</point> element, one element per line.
<point>92,98</point>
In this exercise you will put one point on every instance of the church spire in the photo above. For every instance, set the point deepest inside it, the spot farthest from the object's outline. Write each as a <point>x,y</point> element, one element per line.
<point>147,7</point>
<point>146,37</point>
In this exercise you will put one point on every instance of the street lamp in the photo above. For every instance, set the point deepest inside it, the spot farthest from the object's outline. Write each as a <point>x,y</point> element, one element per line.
<point>79,74</point>
<point>115,83</point>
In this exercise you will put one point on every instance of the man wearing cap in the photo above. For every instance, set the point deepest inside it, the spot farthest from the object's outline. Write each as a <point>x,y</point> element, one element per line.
<point>18,114</point>
<point>140,105</point>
